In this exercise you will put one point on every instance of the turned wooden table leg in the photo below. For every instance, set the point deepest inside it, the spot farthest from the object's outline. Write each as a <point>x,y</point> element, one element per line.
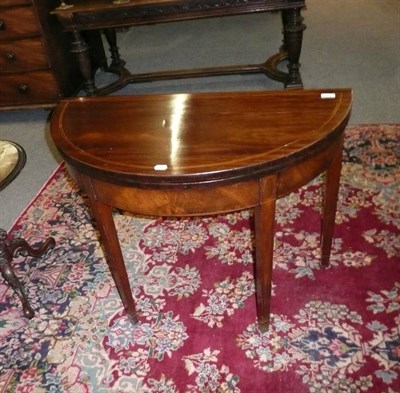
<point>103,216</point>
<point>111,37</point>
<point>13,248</point>
<point>80,49</point>
<point>331,192</point>
<point>293,28</point>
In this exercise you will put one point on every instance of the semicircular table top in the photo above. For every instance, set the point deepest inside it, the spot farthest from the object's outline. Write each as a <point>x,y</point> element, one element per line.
<point>178,138</point>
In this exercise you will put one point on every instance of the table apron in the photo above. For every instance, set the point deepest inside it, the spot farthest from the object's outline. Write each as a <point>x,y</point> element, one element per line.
<point>208,199</point>
<point>80,17</point>
<point>179,202</point>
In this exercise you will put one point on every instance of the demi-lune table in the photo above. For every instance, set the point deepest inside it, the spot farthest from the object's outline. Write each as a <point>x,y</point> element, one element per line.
<point>203,154</point>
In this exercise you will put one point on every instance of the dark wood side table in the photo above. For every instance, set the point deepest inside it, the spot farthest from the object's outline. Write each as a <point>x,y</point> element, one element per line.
<point>79,16</point>
<point>203,154</point>
<point>12,161</point>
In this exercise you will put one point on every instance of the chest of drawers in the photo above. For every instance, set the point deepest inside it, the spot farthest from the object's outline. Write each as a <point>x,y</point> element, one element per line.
<point>36,65</point>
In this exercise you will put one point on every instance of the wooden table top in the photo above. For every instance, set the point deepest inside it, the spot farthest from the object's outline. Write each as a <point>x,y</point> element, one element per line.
<point>197,138</point>
<point>102,13</point>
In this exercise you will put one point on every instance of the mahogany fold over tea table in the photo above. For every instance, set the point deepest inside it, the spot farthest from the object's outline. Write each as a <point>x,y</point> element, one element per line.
<point>203,154</point>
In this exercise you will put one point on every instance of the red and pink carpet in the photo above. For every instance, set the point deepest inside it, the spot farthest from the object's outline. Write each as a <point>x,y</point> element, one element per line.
<point>333,330</point>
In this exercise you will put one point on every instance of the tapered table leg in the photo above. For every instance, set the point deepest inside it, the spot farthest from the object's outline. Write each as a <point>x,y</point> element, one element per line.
<point>264,233</point>
<point>103,216</point>
<point>13,248</point>
<point>330,203</point>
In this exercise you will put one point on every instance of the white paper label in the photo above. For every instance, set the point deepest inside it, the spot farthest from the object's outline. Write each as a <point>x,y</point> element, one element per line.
<point>160,167</point>
<point>328,96</point>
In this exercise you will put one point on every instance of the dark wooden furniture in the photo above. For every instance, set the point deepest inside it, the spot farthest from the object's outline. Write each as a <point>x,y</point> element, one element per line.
<point>11,248</point>
<point>203,154</point>
<point>36,66</point>
<point>12,161</point>
<point>79,16</point>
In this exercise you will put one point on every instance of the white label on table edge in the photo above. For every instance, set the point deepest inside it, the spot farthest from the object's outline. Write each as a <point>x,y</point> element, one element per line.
<point>160,167</point>
<point>328,96</point>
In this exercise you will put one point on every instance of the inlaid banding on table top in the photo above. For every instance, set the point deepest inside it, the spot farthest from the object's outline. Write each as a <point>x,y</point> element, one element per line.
<point>187,135</point>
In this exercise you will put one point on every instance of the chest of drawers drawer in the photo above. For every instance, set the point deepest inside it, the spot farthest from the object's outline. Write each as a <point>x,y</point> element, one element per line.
<point>22,55</point>
<point>28,87</point>
<point>18,22</point>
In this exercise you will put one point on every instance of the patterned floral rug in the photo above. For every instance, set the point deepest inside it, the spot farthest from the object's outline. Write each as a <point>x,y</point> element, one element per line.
<point>333,330</point>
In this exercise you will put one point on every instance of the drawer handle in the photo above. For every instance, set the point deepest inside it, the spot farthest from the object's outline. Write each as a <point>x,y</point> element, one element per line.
<point>23,88</point>
<point>2,24</point>
<point>10,56</point>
